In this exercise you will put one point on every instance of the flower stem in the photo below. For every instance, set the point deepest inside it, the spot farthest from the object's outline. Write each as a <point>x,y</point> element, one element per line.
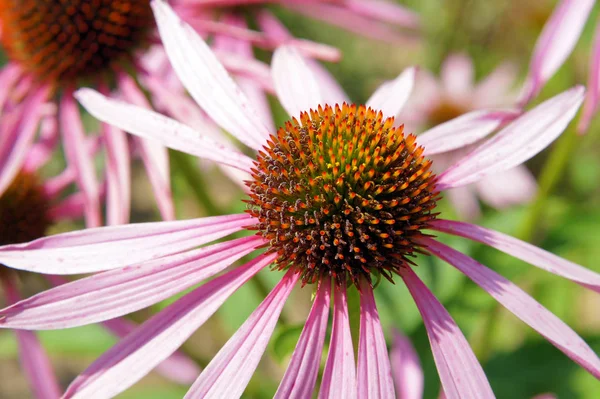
<point>353,297</point>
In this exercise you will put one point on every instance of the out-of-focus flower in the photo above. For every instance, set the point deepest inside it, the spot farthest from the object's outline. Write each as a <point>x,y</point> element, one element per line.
<point>337,196</point>
<point>455,94</point>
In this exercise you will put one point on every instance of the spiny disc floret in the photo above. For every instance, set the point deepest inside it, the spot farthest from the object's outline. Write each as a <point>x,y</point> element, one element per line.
<point>342,192</point>
<point>64,40</point>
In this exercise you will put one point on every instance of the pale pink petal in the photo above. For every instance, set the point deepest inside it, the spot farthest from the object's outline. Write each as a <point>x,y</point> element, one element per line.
<point>457,75</point>
<point>391,96</point>
<point>74,143</point>
<point>556,42</point>
<point>115,293</point>
<point>41,151</point>
<point>521,305</point>
<point>464,130</point>
<point>460,373</point>
<point>112,247</point>
<point>465,202</point>
<point>522,250</point>
<point>250,68</point>
<point>374,373</point>
<point>384,11</point>
<point>512,187</point>
<point>177,367</point>
<point>156,339</point>
<point>227,375</point>
<point>590,107</point>
<point>296,86</point>
<point>496,89</point>
<point>516,143</point>
<point>167,131</point>
<point>206,79</point>
<point>339,376</point>
<point>34,362</point>
<point>406,368</point>
<point>301,375</point>
<point>16,135</point>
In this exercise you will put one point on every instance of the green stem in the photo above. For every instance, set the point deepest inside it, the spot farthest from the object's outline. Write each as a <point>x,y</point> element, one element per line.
<point>190,172</point>
<point>353,297</point>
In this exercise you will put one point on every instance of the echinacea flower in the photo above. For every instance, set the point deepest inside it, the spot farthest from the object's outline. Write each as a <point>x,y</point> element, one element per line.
<point>456,95</point>
<point>338,196</point>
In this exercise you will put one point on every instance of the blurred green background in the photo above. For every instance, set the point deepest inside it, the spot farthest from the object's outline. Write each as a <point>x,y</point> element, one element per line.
<point>518,362</point>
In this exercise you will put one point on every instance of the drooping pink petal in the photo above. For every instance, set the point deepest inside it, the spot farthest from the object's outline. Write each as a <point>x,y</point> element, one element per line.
<point>153,341</point>
<point>457,75</point>
<point>464,130</point>
<point>391,96</point>
<point>556,42</point>
<point>177,367</point>
<point>70,208</point>
<point>34,362</point>
<point>41,151</point>
<point>374,373</point>
<point>74,143</point>
<point>295,84</point>
<point>521,305</point>
<point>206,79</point>
<point>339,376</point>
<point>511,187</point>
<point>167,131</point>
<point>460,372</point>
<point>590,106</point>
<point>301,375</point>
<point>516,143</point>
<point>522,250</point>
<point>227,375</point>
<point>154,155</point>
<point>115,293</point>
<point>112,247</point>
<point>406,368</point>
<point>16,135</point>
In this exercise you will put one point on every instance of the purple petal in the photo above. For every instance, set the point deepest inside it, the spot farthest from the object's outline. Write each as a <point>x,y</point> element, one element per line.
<point>156,339</point>
<point>169,132</point>
<point>521,305</point>
<point>339,376</point>
<point>406,368</point>
<point>516,143</point>
<point>374,373</point>
<point>230,370</point>
<point>460,372</point>
<point>106,248</point>
<point>522,250</point>
<point>391,96</point>
<point>301,375</point>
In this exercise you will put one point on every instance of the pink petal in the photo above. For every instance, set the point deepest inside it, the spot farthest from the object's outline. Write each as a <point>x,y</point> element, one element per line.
<point>516,143</point>
<point>496,89</point>
<point>119,292</point>
<point>556,42</point>
<point>339,376</point>
<point>384,11</point>
<point>465,202</point>
<point>301,375</point>
<point>250,68</point>
<point>457,75</point>
<point>149,124</point>
<point>295,84</point>
<point>521,305</point>
<point>391,96</point>
<point>460,372</point>
<point>406,368</point>
<point>230,370</point>
<point>34,362</point>
<point>69,208</point>
<point>374,371</point>
<point>106,248</point>
<point>590,107</point>
<point>464,130</point>
<point>41,151</point>
<point>512,187</point>
<point>522,250</point>
<point>156,339</point>
<point>206,79</point>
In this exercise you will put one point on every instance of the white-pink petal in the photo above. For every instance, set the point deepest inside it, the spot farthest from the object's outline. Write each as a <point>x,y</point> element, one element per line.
<point>516,143</point>
<point>230,370</point>
<point>457,75</point>
<point>301,374</point>
<point>156,339</point>
<point>521,305</point>
<point>391,96</point>
<point>590,106</point>
<point>406,368</point>
<point>511,187</point>
<point>460,373</point>
<point>112,247</point>
<point>167,131</point>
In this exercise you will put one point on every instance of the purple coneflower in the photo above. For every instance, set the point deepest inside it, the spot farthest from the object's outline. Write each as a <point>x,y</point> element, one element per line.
<point>455,96</point>
<point>338,196</point>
